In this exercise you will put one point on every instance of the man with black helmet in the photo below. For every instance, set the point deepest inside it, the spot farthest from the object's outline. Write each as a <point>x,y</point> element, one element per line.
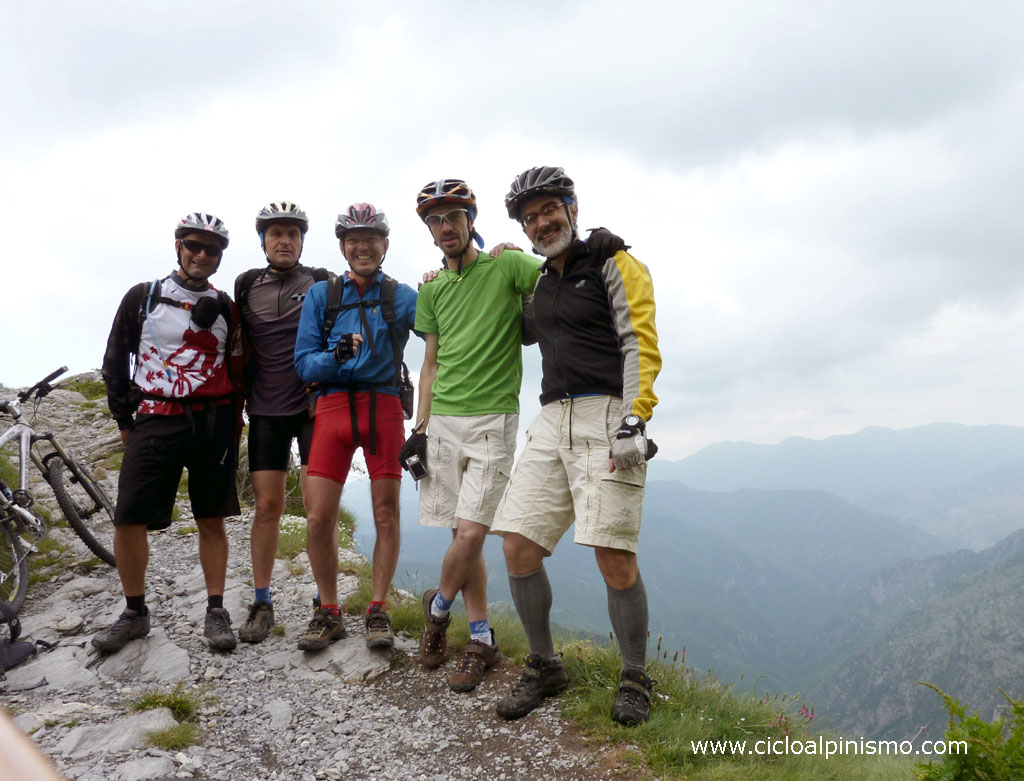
<point>173,372</point>
<point>352,333</point>
<point>471,315</point>
<point>269,301</point>
<point>593,315</point>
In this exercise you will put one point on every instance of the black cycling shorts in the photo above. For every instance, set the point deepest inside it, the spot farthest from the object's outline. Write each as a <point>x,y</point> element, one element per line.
<point>270,440</point>
<point>159,447</point>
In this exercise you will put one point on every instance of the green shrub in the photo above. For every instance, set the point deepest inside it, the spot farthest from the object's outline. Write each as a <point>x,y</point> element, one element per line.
<point>182,704</point>
<point>91,389</point>
<point>175,738</point>
<point>995,749</point>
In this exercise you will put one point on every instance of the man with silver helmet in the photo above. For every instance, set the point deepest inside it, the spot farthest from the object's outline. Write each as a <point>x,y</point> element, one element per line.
<point>593,315</point>
<point>352,334</point>
<point>269,301</point>
<point>173,369</point>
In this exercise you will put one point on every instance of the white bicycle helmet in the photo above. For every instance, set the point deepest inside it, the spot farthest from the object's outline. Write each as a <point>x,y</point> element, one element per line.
<point>281,211</point>
<point>201,222</point>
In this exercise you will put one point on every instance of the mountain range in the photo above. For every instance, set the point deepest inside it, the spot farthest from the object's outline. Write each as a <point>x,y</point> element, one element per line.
<point>846,568</point>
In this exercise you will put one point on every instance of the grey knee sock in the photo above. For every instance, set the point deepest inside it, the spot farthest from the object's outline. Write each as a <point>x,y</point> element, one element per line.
<point>532,596</point>
<point>628,611</point>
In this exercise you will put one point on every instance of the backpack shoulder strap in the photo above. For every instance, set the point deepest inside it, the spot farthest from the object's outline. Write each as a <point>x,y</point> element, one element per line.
<point>334,292</point>
<point>388,291</point>
<point>244,284</point>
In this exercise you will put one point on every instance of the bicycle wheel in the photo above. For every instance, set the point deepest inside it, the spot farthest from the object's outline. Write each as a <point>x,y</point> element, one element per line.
<point>84,504</point>
<point>13,567</point>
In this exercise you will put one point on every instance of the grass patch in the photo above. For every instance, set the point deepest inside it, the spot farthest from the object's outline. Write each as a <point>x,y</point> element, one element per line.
<point>87,405</point>
<point>91,389</point>
<point>113,461</point>
<point>292,540</point>
<point>49,554</point>
<point>688,707</point>
<point>187,530</point>
<point>175,738</point>
<point>87,566</point>
<point>183,705</point>
<point>277,630</point>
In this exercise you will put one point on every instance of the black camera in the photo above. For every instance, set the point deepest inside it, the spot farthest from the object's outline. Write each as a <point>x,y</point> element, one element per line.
<point>416,467</point>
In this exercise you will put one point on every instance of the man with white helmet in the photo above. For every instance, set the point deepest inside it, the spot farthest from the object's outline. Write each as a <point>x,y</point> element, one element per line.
<point>352,333</point>
<point>174,379</point>
<point>593,314</point>
<point>269,301</point>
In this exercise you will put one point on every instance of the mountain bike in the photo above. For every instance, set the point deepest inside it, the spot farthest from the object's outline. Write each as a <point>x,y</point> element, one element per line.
<point>81,499</point>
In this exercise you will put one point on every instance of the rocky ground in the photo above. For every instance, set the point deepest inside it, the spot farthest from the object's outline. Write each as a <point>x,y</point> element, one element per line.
<point>267,711</point>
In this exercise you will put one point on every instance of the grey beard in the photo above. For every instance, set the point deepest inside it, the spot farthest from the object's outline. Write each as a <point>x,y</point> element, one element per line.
<point>561,242</point>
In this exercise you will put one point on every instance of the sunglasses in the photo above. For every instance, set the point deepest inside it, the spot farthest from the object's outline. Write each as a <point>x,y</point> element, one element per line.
<point>451,217</point>
<point>195,247</point>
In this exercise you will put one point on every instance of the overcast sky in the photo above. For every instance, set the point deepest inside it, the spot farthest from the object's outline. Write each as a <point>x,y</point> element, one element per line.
<point>827,194</point>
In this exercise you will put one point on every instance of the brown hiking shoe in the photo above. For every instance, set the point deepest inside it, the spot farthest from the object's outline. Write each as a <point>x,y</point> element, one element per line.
<point>378,628</point>
<point>324,629</point>
<point>478,658</point>
<point>434,640</point>
<point>541,678</point>
<point>633,703</point>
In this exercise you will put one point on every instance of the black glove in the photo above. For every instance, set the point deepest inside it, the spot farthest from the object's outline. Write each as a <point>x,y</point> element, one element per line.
<point>413,455</point>
<point>344,349</point>
<point>603,243</point>
<point>631,447</point>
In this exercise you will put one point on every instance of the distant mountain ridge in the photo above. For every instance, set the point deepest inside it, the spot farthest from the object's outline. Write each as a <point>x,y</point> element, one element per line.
<point>953,621</point>
<point>936,476</point>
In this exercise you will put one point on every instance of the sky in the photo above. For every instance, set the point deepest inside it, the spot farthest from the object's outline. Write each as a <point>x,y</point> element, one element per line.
<point>826,193</point>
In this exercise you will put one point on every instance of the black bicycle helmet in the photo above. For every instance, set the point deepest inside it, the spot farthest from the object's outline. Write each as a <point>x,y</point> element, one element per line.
<point>543,180</point>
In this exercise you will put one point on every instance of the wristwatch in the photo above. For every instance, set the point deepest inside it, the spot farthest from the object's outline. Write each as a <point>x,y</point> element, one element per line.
<point>633,421</point>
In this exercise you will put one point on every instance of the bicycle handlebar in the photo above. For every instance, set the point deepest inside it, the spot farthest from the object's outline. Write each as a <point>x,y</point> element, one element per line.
<point>42,384</point>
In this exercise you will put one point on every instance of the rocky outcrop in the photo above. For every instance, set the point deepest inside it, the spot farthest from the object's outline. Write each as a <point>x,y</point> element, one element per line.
<point>266,711</point>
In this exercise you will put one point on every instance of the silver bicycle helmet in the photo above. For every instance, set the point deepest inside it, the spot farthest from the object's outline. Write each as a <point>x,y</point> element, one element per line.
<point>543,180</point>
<point>361,215</point>
<point>201,222</point>
<point>281,211</point>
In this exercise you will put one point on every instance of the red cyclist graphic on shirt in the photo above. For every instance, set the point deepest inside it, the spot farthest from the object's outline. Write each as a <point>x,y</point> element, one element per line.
<point>177,359</point>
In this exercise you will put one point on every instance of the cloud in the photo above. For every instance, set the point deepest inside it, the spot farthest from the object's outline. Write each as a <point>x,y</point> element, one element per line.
<point>825,193</point>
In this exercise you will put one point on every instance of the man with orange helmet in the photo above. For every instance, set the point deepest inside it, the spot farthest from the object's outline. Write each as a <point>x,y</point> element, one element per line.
<point>471,315</point>
<point>269,301</point>
<point>352,334</point>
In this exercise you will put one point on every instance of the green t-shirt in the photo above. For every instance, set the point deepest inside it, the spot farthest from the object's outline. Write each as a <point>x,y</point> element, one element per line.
<point>479,323</point>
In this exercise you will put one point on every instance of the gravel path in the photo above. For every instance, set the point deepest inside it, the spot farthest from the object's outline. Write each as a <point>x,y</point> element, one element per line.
<point>268,711</point>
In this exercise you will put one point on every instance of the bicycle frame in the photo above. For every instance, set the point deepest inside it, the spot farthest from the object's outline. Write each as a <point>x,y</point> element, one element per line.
<point>26,437</point>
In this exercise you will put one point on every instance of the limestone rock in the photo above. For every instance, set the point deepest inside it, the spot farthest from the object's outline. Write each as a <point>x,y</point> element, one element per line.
<point>125,733</point>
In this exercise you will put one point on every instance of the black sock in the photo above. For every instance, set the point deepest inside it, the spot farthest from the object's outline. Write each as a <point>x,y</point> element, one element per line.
<point>138,604</point>
<point>214,601</point>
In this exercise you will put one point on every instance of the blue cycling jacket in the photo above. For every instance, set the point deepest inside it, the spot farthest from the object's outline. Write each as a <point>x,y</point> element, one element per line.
<point>373,363</point>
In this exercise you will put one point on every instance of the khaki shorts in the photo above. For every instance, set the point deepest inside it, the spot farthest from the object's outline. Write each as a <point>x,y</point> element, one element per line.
<point>554,485</point>
<point>468,464</point>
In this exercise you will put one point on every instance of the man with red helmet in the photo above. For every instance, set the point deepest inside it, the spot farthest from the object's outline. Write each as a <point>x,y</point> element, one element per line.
<point>173,373</point>
<point>269,301</point>
<point>593,314</point>
<point>471,315</point>
<point>352,333</point>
